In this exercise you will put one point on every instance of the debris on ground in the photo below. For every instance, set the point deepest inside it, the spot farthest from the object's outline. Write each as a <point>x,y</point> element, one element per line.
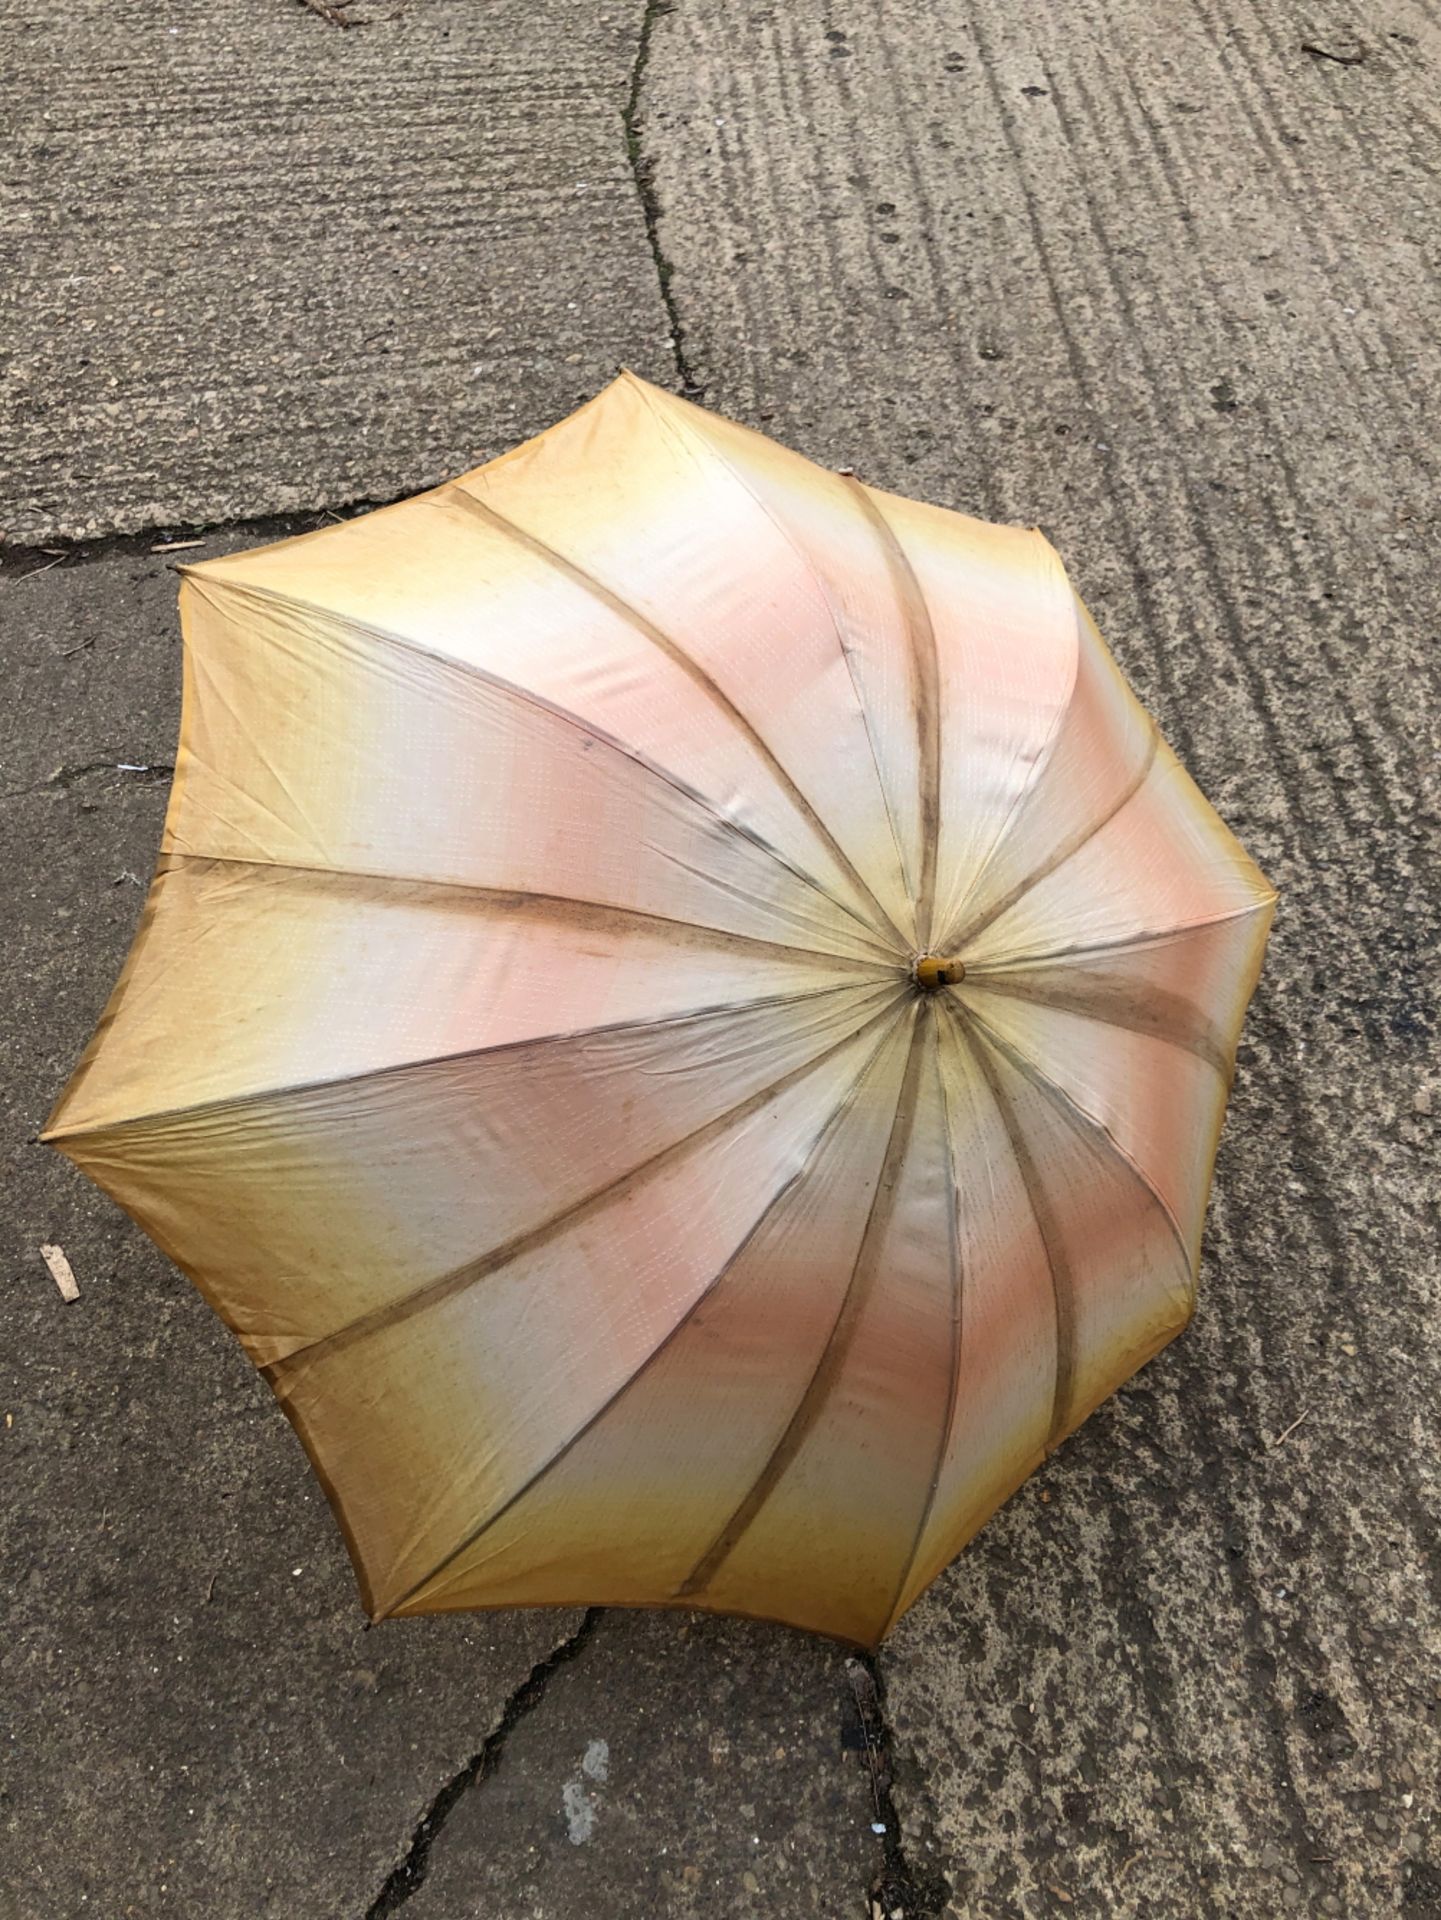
<point>61,1272</point>
<point>1282,1438</point>
<point>1353,57</point>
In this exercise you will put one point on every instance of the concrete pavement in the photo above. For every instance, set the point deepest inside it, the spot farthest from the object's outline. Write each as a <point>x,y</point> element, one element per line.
<point>1162,282</point>
<point>255,262</point>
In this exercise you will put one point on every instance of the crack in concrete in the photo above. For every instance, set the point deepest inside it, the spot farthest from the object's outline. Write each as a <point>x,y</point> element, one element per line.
<point>20,560</point>
<point>899,1890</point>
<point>409,1874</point>
<point>643,170</point>
<point>144,772</point>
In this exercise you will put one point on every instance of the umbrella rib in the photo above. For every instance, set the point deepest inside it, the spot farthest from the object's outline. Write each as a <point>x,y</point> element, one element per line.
<point>433,1292</point>
<point>957,1329</point>
<point>528,697</point>
<point>1048,1227</point>
<point>1187,1028</point>
<point>366,1076</point>
<point>926,699</point>
<point>592,914</point>
<point>1127,943</point>
<point>534,1479</point>
<point>838,1343</point>
<point>682,432</point>
<point>617,604</point>
<point>1053,1091</point>
<point>971,929</point>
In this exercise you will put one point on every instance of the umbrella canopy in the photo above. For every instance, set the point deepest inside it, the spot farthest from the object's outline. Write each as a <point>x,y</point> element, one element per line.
<point>683,1019</point>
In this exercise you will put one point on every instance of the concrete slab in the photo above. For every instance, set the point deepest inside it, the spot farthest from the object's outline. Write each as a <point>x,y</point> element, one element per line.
<point>196,1720</point>
<point>1114,270</point>
<point>252,261</point>
<point>1159,282</point>
<point>684,1766</point>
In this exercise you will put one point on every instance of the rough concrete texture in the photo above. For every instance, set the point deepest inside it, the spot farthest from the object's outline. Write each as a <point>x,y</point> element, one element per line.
<point>1162,280</point>
<point>253,261</point>
<point>685,1767</point>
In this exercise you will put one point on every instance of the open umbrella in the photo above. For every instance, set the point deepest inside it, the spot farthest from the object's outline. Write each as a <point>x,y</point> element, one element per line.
<point>683,1020</point>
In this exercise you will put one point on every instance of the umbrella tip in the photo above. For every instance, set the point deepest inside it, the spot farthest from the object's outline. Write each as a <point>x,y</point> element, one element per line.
<point>934,970</point>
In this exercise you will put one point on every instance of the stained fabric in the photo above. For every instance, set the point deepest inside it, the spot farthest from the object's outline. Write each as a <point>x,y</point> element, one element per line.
<point>683,1019</point>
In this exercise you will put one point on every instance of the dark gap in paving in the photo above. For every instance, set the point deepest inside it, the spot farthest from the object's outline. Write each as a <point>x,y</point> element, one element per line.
<point>643,169</point>
<point>409,1875</point>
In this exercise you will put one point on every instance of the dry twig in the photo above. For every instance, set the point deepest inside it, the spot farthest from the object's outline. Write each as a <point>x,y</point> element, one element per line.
<point>1281,1438</point>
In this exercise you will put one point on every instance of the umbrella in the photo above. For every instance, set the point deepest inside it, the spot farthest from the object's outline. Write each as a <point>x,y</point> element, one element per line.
<point>683,1019</point>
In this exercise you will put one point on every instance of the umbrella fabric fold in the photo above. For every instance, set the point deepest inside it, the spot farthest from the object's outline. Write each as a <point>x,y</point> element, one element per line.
<point>683,1018</point>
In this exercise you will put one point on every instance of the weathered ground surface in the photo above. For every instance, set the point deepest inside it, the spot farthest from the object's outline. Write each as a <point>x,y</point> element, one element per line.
<point>254,262</point>
<point>1161,280</point>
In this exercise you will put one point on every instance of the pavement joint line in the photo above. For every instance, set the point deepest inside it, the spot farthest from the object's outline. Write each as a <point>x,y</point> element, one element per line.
<point>897,1889</point>
<point>643,170</point>
<point>408,1875</point>
<point>20,561</point>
